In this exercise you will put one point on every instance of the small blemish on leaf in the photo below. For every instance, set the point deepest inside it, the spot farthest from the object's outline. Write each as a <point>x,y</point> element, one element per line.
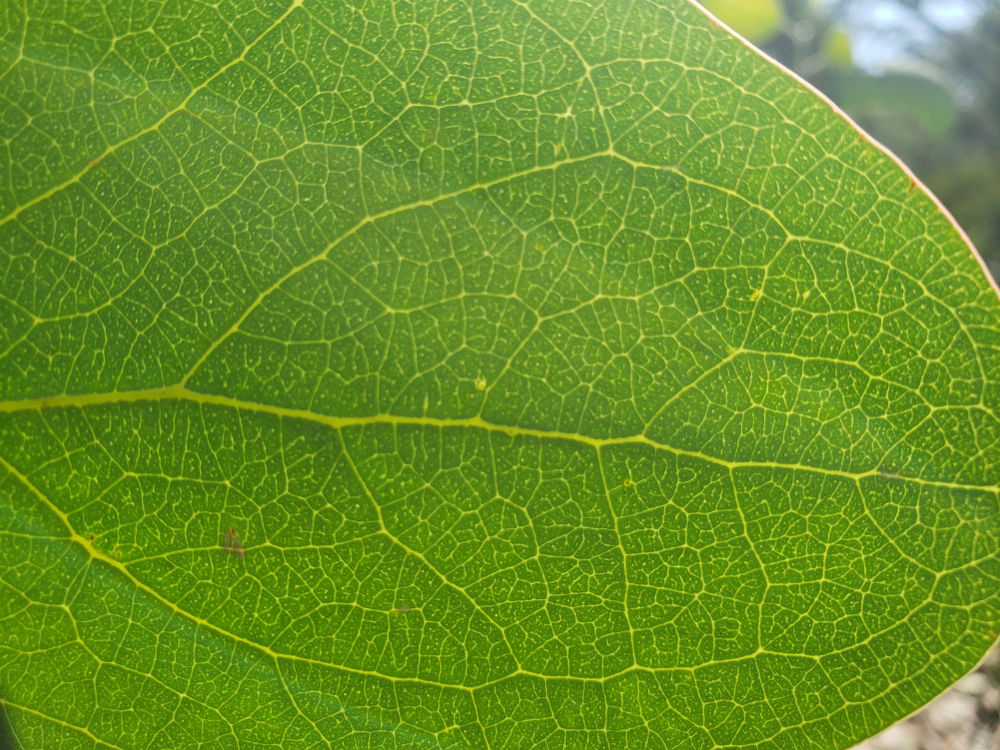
<point>757,294</point>
<point>481,383</point>
<point>629,482</point>
<point>232,544</point>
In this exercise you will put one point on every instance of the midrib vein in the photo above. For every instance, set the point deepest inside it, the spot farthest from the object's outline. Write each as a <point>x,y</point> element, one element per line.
<point>182,393</point>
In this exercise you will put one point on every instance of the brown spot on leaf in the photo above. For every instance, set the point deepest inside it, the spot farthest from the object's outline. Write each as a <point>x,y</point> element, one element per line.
<point>232,544</point>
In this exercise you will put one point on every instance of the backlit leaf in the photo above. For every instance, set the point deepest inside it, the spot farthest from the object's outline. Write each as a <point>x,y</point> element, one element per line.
<point>499,374</point>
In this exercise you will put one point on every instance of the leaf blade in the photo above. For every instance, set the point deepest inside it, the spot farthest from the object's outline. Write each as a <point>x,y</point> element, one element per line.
<point>608,390</point>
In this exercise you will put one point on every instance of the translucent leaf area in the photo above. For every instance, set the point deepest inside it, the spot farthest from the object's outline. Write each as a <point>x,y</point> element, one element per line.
<point>486,374</point>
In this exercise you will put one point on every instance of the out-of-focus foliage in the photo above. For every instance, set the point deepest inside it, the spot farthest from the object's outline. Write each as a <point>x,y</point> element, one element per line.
<point>757,21</point>
<point>936,104</point>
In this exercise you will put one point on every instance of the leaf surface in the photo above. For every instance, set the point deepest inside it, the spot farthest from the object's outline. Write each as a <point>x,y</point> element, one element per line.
<point>496,374</point>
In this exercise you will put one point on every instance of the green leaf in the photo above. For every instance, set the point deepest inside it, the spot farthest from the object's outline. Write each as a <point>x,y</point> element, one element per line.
<point>757,21</point>
<point>837,50</point>
<point>899,98</point>
<point>495,374</point>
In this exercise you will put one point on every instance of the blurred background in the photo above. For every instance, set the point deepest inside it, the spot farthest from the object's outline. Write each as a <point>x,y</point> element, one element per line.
<point>922,77</point>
